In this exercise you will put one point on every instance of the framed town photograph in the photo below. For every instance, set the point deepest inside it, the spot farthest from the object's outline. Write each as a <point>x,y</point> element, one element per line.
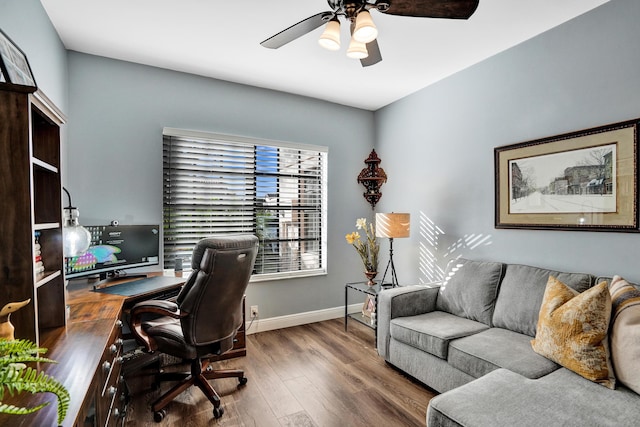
<point>14,67</point>
<point>584,180</point>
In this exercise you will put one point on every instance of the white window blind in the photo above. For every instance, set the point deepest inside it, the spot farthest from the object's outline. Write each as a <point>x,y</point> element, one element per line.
<point>220,184</point>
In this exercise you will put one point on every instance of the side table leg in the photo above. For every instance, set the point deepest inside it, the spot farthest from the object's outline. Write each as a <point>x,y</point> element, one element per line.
<point>346,304</point>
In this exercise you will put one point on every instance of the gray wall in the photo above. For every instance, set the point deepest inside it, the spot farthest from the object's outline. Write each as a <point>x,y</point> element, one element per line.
<point>437,145</point>
<point>118,111</point>
<point>28,25</point>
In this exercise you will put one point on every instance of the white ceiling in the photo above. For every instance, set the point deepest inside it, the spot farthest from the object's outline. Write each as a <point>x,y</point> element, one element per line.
<point>221,39</point>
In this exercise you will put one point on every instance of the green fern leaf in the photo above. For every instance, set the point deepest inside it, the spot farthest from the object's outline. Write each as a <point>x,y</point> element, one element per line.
<point>30,380</point>
<point>24,347</point>
<point>16,410</point>
<point>15,378</point>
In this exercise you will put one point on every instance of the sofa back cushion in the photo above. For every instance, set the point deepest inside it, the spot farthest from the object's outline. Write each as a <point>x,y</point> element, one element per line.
<point>521,293</point>
<point>469,289</point>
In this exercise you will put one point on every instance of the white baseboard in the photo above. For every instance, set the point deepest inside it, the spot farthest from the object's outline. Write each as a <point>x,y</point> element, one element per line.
<point>271,323</point>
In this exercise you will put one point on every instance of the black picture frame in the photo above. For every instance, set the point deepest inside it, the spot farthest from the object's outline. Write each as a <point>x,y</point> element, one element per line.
<point>14,65</point>
<point>585,180</point>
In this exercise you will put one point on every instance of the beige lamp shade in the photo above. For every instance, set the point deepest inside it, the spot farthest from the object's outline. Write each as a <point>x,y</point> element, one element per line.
<point>393,225</point>
<point>365,30</point>
<point>357,50</point>
<point>330,38</point>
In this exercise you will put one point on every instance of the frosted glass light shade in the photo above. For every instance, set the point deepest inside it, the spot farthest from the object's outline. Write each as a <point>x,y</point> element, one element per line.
<point>330,38</point>
<point>393,225</point>
<point>365,30</point>
<point>76,239</point>
<point>357,50</point>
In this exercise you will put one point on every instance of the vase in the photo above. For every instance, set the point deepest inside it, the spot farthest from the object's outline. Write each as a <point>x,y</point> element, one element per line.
<point>371,275</point>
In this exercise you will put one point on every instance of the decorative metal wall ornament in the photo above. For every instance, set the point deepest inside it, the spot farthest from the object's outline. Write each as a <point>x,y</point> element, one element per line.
<point>372,177</point>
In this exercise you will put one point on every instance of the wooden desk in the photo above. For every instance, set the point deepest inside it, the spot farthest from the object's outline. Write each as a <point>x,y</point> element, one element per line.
<point>81,348</point>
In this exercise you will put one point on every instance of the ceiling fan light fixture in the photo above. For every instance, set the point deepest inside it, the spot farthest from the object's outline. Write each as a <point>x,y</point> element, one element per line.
<point>365,30</point>
<point>330,38</point>
<point>357,50</point>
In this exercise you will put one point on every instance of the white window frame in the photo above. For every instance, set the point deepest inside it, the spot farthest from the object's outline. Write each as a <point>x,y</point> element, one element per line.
<point>319,266</point>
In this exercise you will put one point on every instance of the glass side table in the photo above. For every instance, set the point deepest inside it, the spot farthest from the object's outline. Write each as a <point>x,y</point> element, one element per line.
<point>364,289</point>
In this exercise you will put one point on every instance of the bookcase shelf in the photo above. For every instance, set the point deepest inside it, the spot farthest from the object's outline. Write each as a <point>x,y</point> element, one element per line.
<point>31,228</point>
<point>46,276</point>
<point>44,165</point>
<point>46,226</point>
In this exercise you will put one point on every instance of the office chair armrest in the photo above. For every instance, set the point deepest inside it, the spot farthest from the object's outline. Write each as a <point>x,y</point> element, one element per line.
<point>156,308</point>
<point>166,307</point>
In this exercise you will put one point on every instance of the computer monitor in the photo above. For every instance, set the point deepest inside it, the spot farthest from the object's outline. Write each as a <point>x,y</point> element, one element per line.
<point>114,248</point>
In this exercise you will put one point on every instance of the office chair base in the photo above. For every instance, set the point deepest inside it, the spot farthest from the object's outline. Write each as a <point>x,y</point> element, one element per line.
<point>158,416</point>
<point>217,412</point>
<point>201,373</point>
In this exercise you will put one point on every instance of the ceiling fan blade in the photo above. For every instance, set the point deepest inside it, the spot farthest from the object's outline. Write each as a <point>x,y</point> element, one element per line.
<point>451,9</point>
<point>374,54</point>
<point>297,30</point>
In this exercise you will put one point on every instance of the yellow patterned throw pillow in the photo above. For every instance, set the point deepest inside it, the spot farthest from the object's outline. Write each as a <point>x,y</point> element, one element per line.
<point>572,330</point>
<point>625,332</point>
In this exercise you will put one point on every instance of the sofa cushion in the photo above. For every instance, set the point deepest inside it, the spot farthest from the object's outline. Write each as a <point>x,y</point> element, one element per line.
<point>486,351</point>
<point>572,330</point>
<point>520,297</point>
<point>625,332</point>
<point>469,289</point>
<point>562,398</point>
<point>431,332</point>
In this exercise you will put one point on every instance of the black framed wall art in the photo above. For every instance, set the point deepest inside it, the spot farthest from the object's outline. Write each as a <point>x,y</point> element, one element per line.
<point>585,180</point>
<point>14,66</point>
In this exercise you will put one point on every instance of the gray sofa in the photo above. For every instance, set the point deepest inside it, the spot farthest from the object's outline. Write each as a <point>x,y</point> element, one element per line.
<point>469,338</point>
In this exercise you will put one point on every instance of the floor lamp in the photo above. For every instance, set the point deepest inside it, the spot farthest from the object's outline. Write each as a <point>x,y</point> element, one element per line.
<point>392,226</point>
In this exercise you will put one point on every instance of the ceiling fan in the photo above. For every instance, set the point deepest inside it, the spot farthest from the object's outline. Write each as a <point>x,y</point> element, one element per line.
<point>364,44</point>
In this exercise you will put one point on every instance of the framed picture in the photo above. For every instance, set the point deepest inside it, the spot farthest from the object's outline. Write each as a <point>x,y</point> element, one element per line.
<point>14,67</point>
<point>584,180</point>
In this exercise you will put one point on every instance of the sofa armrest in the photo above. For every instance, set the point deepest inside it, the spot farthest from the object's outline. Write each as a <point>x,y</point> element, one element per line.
<point>401,302</point>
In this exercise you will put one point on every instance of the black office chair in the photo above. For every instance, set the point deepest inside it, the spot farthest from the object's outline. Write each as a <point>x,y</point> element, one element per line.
<point>204,319</point>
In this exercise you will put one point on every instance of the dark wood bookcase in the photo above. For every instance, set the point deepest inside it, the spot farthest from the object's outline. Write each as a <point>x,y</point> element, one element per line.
<point>31,194</point>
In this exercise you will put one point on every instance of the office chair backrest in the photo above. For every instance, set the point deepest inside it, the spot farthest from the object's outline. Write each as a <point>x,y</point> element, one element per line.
<point>212,296</point>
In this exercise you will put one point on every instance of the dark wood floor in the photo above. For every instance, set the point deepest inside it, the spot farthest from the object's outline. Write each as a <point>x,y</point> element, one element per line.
<point>310,375</point>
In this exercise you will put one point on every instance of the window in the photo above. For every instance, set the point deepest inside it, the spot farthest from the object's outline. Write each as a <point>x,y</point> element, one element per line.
<point>221,184</point>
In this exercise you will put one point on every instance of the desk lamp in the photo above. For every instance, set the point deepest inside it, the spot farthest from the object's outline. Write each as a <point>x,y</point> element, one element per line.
<point>392,225</point>
<point>76,238</point>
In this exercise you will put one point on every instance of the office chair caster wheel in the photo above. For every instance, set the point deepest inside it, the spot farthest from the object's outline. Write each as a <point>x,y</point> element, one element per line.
<point>217,412</point>
<point>242,380</point>
<point>158,416</point>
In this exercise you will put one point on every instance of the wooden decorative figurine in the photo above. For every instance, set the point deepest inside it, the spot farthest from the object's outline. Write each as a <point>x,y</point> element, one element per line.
<point>6,328</point>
